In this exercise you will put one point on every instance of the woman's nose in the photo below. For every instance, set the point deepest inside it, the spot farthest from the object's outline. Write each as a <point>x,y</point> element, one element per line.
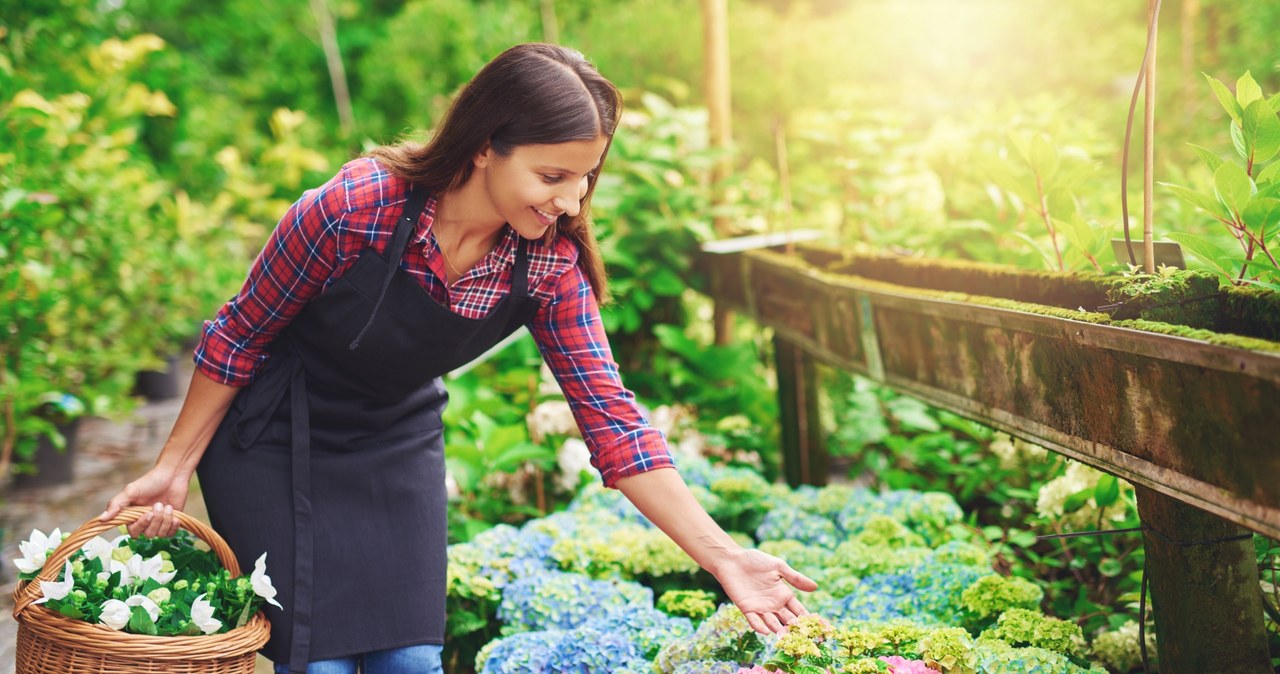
<point>569,202</point>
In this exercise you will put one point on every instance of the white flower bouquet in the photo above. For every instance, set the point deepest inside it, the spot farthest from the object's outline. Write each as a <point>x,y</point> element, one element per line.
<point>89,603</point>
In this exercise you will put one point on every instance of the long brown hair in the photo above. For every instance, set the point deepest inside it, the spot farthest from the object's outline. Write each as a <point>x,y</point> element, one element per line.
<point>531,94</point>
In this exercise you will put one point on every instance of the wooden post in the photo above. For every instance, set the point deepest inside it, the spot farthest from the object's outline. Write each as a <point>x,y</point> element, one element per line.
<point>804,456</point>
<point>1149,145</point>
<point>333,58</point>
<point>715,58</point>
<point>1206,598</point>
<point>550,26</point>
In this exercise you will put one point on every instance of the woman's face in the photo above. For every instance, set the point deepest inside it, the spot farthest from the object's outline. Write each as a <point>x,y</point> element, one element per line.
<point>536,184</point>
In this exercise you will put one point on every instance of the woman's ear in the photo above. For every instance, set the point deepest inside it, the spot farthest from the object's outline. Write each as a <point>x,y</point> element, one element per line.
<point>484,157</point>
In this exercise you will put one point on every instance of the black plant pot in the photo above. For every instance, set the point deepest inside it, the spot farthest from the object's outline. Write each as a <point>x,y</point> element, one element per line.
<point>52,466</point>
<point>157,385</point>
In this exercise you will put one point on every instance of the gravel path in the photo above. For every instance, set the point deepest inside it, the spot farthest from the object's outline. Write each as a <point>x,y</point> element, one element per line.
<point>108,455</point>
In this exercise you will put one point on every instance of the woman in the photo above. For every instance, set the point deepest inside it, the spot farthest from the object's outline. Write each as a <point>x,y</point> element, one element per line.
<point>314,417</point>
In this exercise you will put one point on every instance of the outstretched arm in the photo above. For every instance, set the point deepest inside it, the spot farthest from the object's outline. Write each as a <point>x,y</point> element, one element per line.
<point>760,585</point>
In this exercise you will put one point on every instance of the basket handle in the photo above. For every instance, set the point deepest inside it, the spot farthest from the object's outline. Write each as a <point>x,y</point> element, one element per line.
<point>29,590</point>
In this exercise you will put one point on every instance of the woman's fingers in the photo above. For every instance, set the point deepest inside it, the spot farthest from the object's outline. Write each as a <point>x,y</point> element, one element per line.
<point>756,623</point>
<point>786,616</point>
<point>798,580</point>
<point>772,622</point>
<point>797,608</point>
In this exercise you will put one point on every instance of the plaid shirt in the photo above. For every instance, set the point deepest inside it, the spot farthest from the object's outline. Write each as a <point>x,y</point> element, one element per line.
<point>324,232</point>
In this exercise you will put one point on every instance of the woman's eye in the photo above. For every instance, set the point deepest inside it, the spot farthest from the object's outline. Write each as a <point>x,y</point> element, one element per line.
<point>549,179</point>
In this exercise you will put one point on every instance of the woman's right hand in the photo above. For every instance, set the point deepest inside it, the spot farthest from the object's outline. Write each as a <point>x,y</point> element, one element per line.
<point>161,489</point>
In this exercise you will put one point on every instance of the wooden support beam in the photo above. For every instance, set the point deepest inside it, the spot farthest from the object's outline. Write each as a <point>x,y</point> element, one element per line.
<point>715,60</point>
<point>1206,598</point>
<point>804,456</point>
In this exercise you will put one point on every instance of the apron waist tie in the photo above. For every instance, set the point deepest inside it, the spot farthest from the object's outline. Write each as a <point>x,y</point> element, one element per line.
<point>300,648</point>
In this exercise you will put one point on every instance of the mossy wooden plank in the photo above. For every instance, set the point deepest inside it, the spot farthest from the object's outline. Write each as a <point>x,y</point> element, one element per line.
<point>1180,410</point>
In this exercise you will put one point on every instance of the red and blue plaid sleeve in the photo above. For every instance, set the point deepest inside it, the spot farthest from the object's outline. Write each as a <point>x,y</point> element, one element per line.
<point>572,340</point>
<point>297,260</point>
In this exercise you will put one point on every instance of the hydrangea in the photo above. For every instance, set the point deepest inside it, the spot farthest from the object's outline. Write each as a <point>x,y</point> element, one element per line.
<point>877,598</point>
<point>948,649</point>
<point>1119,650</point>
<point>1021,627</point>
<point>880,530</point>
<point>790,523</point>
<point>587,649</point>
<point>725,637</point>
<point>998,657</point>
<point>695,604</point>
<point>901,665</point>
<point>992,595</point>
<point>595,499</point>
<point>938,589</point>
<point>926,513</point>
<point>959,552</point>
<point>564,601</point>
<point>626,551</point>
<point>1052,500</point>
<point>860,559</point>
<point>806,559</point>
<point>646,627</point>
<point>706,667</point>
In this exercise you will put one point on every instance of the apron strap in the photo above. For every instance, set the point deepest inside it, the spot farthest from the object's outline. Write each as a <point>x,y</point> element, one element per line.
<point>520,271</point>
<point>304,538</point>
<point>413,207</point>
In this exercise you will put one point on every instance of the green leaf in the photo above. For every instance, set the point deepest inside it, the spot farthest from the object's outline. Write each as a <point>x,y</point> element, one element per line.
<point>1077,500</point>
<point>1044,159</point>
<point>1210,158</point>
<point>1225,97</point>
<point>1237,141</point>
<point>1261,213</point>
<point>1106,491</point>
<point>1204,202</point>
<point>1270,174</point>
<point>1234,186</point>
<point>523,453</point>
<point>1247,90</point>
<point>1261,131</point>
<point>140,622</point>
<point>1209,252</point>
<point>1274,102</point>
<point>665,283</point>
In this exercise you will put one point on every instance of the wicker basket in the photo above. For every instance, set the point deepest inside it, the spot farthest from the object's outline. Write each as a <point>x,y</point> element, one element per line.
<point>51,643</point>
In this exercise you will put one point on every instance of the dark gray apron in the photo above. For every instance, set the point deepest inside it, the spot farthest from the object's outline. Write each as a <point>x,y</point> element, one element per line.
<point>332,460</point>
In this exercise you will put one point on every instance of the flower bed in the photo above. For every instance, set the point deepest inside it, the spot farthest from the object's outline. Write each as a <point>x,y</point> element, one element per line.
<point>596,588</point>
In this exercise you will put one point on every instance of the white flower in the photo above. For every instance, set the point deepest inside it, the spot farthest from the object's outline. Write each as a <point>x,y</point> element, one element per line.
<point>553,417</point>
<point>115,614</point>
<point>573,458</point>
<point>136,568</point>
<point>202,616</point>
<point>146,604</point>
<point>54,590</point>
<point>262,582</point>
<point>100,548</point>
<point>36,549</point>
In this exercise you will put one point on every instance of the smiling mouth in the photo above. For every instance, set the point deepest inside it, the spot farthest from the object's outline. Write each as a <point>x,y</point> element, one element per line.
<point>545,217</point>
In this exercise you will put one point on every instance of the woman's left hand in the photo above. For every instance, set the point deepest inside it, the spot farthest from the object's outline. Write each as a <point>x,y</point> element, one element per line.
<point>760,585</point>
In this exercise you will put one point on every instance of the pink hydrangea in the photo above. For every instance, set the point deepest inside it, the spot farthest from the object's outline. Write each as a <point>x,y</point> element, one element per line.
<point>901,665</point>
<point>756,669</point>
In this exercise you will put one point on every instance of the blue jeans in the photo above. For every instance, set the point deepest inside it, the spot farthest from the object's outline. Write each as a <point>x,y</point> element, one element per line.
<point>424,659</point>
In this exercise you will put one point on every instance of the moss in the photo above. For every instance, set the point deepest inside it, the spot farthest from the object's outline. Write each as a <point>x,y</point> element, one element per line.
<point>1179,297</point>
<point>1253,318</point>
<point>1252,312</point>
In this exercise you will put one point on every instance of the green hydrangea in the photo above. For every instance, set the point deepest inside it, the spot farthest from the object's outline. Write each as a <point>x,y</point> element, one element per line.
<point>998,657</point>
<point>948,649</point>
<point>1022,627</point>
<point>854,642</point>
<point>992,595</point>
<point>880,530</point>
<point>860,558</point>
<point>696,605</point>
<point>725,636</point>
<point>807,559</point>
<point>865,666</point>
<point>1118,649</point>
<point>959,552</point>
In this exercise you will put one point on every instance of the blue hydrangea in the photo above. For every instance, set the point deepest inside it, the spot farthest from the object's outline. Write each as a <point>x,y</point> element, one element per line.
<point>926,513</point>
<point>707,667</point>
<point>596,498</point>
<point>556,600</point>
<point>877,598</point>
<point>648,628</point>
<point>586,649</point>
<point>938,587</point>
<point>793,524</point>
<point>524,653</point>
